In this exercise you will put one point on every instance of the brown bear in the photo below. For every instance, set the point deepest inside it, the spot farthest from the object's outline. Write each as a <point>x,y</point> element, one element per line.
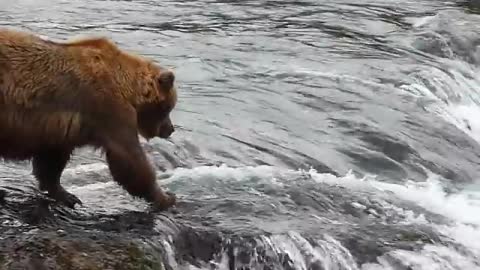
<point>56,96</point>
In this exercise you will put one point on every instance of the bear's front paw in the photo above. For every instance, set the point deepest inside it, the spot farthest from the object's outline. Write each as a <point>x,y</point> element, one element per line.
<point>163,200</point>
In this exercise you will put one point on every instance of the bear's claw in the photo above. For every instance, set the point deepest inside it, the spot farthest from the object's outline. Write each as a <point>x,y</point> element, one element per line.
<point>66,198</point>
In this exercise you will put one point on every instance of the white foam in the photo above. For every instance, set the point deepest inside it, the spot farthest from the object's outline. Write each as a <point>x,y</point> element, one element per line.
<point>83,168</point>
<point>431,257</point>
<point>466,117</point>
<point>451,92</point>
<point>225,173</point>
<point>431,195</point>
<point>461,208</point>
<point>420,21</point>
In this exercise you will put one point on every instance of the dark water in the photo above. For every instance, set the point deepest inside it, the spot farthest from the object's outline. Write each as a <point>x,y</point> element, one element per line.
<point>311,134</point>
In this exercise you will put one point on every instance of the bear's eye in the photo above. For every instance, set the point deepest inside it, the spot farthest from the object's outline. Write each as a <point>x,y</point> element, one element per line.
<point>166,80</point>
<point>97,57</point>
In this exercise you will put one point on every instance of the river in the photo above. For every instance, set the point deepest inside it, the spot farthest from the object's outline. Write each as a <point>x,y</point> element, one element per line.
<point>310,134</point>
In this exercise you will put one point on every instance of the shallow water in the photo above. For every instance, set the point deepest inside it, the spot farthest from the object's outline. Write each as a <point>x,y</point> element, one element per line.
<point>311,134</point>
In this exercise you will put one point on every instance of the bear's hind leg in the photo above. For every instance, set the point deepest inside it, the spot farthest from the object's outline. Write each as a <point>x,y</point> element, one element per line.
<point>48,166</point>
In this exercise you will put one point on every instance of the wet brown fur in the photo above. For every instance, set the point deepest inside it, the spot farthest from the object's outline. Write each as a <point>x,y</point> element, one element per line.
<point>57,96</point>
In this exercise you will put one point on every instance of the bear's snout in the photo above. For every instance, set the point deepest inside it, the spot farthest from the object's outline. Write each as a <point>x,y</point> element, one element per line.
<point>166,79</point>
<point>166,130</point>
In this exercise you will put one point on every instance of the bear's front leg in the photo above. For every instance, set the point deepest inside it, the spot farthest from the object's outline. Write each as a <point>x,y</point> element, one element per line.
<point>130,168</point>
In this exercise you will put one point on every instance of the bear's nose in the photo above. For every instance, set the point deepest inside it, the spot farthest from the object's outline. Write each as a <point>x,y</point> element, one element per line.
<point>166,79</point>
<point>166,132</point>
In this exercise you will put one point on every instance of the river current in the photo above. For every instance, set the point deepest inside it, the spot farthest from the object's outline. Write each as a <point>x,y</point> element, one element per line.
<point>310,134</point>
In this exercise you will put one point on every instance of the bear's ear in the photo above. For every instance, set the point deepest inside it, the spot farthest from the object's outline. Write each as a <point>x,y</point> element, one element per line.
<point>166,79</point>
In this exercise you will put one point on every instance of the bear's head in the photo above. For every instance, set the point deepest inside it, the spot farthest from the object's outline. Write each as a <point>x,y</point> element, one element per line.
<point>153,116</point>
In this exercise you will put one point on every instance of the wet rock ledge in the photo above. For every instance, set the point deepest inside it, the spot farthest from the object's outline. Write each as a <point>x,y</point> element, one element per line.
<point>37,235</point>
<point>75,251</point>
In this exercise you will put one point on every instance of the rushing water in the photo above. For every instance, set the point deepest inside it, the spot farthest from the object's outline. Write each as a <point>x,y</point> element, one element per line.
<point>310,134</point>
